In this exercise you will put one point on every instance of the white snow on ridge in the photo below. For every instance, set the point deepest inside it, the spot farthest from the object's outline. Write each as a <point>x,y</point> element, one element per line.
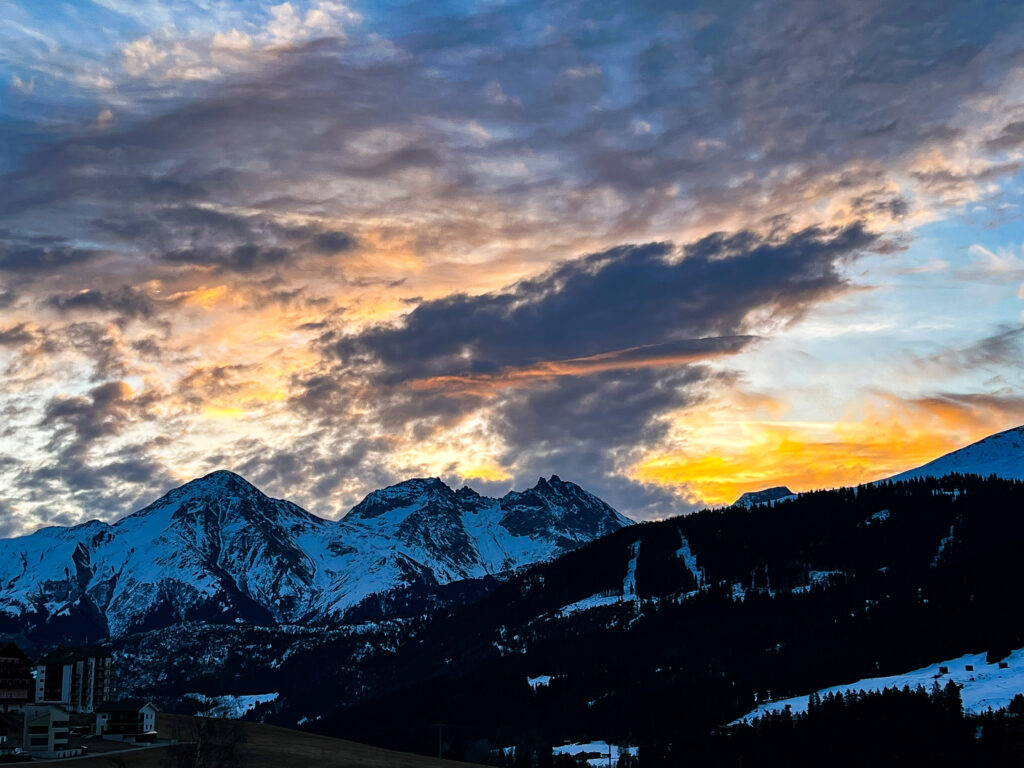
<point>1001,454</point>
<point>231,706</point>
<point>987,685</point>
<point>594,601</point>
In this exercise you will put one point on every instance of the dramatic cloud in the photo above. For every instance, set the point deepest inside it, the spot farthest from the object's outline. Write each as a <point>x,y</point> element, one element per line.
<point>330,245</point>
<point>627,304</point>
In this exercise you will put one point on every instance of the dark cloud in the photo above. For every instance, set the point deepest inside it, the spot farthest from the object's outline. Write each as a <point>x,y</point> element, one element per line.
<point>119,483</point>
<point>17,335</point>
<point>243,258</point>
<point>126,301</point>
<point>946,181</point>
<point>619,299</point>
<point>97,344</point>
<point>881,202</point>
<point>117,479</point>
<point>103,412</point>
<point>625,328</point>
<point>1003,348</point>
<point>333,242</point>
<point>213,382</point>
<point>608,409</point>
<point>1010,138</point>
<point>31,259</point>
<point>586,428</point>
<point>11,522</point>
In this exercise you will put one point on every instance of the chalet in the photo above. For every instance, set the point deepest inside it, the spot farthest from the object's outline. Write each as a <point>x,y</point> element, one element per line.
<point>15,678</point>
<point>133,720</point>
<point>45,732</point>
<point>78,679</point>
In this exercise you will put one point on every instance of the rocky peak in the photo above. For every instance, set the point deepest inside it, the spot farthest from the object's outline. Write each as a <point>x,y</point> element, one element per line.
<point>216,498</point>
<point>556,505</point>
<point>417,492</point>
<point>767,496</point>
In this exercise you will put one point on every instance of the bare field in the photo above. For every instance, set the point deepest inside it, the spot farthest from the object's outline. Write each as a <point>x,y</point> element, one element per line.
<point>268,746</point>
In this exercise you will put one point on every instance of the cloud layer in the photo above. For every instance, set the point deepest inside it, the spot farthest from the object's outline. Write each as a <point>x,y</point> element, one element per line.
<point>331,245</point>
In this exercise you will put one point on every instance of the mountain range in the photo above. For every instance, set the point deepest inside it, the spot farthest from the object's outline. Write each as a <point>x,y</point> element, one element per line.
<point>218,549</point>
<point>662,633</point>
<point>427,603</point>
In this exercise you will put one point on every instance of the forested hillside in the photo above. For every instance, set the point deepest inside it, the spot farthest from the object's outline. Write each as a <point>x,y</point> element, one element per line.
<point>659,634</point>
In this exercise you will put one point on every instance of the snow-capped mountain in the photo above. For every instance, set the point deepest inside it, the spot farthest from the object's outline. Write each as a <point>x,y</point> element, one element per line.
<point>219,549</point>
<point>767,496</point>
<point>1001,454</point>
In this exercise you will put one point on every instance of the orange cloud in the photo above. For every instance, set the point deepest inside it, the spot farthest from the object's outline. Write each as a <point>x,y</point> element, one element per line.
<point>716,456</point>
<point>209,298</point>
<point>648,356</point>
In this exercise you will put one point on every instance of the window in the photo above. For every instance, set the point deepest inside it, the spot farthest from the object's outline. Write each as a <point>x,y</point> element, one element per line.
<point>38,729</point>
<point>38,741</point>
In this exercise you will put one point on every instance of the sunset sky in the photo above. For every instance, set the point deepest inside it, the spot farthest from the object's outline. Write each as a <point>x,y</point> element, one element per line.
<point>669,255</point>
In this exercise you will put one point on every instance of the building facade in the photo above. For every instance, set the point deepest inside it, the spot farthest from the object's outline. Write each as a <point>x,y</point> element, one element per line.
<point>79,679</point>
<point>46,732</point>
<point>132,721</point>
<point>15,678</point>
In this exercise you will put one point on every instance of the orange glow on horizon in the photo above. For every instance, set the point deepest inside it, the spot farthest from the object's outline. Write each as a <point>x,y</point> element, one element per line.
<point>717,456</point>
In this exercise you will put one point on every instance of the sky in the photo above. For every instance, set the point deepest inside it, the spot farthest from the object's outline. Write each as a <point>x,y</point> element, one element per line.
<point>671,252</point>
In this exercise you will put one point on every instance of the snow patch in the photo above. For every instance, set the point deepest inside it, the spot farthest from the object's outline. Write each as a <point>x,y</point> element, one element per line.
<point>685,554</point>
<point>610,598</point>
<point>595,752</point>
<point>984,686</point>
<point>629,583</point>
<point>587,603</point>
<point>231,706</point>
<point>816,578</point>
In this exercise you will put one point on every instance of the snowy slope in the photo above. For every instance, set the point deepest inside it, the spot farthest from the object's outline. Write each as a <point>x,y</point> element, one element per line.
<point>767,496</point>
<point>986,685</point>
<point>1001,454</point>
<point>219,549</point>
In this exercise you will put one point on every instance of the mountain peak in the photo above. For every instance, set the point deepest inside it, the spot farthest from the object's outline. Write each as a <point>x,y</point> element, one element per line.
<point>219,483</point>
<point>220,478</point>
<point>1001,454</point>
<point>766,496</point>
<point>404,494</point>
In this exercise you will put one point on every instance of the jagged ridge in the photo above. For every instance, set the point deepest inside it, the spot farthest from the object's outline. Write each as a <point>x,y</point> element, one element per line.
<point>219,549</point>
